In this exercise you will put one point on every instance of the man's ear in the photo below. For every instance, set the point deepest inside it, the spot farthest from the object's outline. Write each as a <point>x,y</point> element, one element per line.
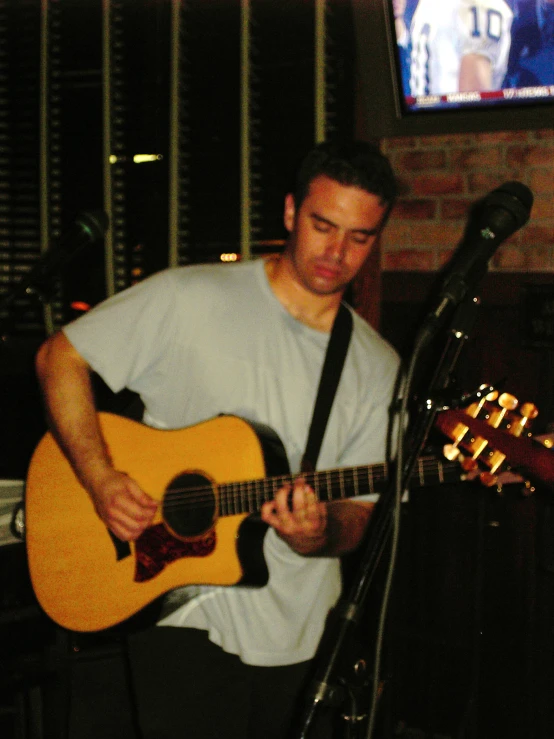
<point>289,213</point>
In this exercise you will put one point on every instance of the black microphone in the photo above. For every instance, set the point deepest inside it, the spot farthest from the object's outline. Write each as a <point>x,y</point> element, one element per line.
<point>87,228</point>
<point>493,219</point>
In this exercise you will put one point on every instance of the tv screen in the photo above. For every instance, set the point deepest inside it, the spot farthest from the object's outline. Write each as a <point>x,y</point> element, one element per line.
<point>471,54</point>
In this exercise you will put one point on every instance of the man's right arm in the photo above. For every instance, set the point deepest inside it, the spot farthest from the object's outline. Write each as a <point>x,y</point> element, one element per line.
<point>65,378</point>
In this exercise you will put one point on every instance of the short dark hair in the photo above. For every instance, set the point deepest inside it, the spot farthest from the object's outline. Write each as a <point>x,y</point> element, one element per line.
<point>356,163</point>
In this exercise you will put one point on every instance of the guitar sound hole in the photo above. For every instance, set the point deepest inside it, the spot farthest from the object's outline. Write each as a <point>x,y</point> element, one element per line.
<point>189,505</point>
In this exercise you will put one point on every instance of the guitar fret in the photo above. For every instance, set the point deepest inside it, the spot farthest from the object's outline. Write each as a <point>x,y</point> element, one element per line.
<point>245,498</point>
<point>237,507</point>
<point>238,498</point>
<point>420,472</point>
<point>243,487</point>
<point>371,485</point>
<point>355,478</point>
<point>252,502</point>
<point>273,489</point>
<point>228,488</point>
<point>261,494</point>
<point>328,486</point>
<point>232,499</point>
<point>341,484</point>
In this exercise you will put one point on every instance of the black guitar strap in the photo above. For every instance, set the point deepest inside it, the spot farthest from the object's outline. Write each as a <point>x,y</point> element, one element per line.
<point>328,383</point>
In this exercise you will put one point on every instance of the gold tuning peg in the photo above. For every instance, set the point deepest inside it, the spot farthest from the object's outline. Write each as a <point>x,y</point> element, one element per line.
<point>508,402</point>
<point>451,452</point>
<point>529,410</point>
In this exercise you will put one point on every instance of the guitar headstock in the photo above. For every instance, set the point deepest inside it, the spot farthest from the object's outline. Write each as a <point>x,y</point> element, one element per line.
<point>490,437</point>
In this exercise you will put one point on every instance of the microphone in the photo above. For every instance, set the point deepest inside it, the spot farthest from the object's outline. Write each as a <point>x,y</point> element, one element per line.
<point>493,219</point>
<point>88,228</point>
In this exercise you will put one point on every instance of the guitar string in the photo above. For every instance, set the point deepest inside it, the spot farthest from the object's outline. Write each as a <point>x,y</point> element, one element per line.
<point>271,484</point>
<point>232,493</point>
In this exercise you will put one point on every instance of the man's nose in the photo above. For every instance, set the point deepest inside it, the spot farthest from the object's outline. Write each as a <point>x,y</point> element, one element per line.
<point>336,246</point>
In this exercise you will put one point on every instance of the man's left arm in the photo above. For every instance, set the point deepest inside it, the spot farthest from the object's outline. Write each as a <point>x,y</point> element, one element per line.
<point>312,528</point>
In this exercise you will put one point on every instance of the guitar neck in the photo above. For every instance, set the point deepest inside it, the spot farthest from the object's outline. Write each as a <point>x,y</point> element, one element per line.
<point>329,485</point>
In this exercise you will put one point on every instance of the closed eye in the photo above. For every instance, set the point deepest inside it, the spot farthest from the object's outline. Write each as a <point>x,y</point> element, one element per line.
<point>322,225</point>
<point>361,237</point>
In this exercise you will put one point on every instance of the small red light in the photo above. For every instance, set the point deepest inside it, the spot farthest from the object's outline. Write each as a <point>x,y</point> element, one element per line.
<point>80,306</point>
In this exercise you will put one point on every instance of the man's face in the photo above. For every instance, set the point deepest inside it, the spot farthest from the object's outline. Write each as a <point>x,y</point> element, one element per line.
<point>331,234</point>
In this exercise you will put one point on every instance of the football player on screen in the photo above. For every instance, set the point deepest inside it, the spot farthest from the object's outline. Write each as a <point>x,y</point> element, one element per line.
<point>459,46</point>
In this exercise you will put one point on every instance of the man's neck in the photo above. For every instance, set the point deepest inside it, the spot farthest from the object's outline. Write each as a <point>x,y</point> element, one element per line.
<point>316,311</point>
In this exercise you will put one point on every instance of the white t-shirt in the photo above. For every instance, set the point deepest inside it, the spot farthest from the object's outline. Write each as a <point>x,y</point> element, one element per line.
<point>443,31</point>
<point>198,341</point>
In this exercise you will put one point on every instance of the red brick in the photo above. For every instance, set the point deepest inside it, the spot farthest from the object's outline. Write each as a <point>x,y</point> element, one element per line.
<point>542,181</point>
<point>523,257</point>
<point>439,234</point>
<point>476,157</point>
<point>438,184</point>
<point>544,133</point>
<point>399,142</point>
<point>418,160</point>
<point>502,136</point>
<point>482,183</point>
<point>529,155</point>
<point>540,259</point>
<point>445,255</point>
<point>538,234</point>
<point>396,233</point>
<point>404,185</point>
<point>416,209</point>
<point>543,207</point>
<point>453,209</point>
<point>447,140</point>
<point>410,260</point>
<point>510,256</point>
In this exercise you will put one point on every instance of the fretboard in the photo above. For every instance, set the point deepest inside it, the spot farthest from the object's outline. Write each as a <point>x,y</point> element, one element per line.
<point>337,484</point>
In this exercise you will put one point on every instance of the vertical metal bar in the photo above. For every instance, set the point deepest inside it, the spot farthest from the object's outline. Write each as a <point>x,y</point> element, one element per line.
<point>107,130</point>
<point>319,71</point>
<point>245,152</point>
<point>44,145</point>
<point>174,144</point>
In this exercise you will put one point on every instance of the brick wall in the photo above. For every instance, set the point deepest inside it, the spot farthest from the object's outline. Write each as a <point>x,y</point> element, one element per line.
<point>442,176</point>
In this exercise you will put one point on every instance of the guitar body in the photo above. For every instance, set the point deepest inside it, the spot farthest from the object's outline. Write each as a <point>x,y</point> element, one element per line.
<point>86,579</point>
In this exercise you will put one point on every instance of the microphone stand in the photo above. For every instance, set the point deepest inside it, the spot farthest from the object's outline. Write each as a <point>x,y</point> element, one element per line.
<point>323,688</point>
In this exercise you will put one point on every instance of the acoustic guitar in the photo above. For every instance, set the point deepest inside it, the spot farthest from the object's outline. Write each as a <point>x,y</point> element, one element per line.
<point>210,480</point>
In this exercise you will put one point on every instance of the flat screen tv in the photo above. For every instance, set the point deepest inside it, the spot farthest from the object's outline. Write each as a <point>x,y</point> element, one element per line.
<point>455,65</point>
